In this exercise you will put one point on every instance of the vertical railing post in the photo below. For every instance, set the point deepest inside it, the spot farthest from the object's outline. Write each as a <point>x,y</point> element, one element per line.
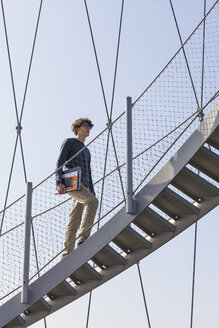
<point>27,229</point>
<point>129,176</point>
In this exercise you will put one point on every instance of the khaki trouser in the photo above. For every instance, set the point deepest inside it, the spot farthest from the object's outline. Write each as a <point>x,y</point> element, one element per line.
<point>82,199</point>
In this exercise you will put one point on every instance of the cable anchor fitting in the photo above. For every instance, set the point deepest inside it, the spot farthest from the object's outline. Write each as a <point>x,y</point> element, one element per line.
<point>109,124</point>
<point>19,128</point>
<point>201,116</point>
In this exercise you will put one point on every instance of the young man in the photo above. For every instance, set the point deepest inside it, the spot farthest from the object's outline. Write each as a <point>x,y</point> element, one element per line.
<point>83,198</point>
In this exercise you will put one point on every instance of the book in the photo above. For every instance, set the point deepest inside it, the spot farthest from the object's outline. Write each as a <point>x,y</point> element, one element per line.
<point>72,179</point>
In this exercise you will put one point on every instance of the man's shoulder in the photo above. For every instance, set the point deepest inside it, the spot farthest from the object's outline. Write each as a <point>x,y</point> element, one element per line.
<point>70,141</point>
<point>74,141</point>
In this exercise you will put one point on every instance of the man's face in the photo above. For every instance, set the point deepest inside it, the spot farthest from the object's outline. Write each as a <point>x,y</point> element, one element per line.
<point>84,130</point>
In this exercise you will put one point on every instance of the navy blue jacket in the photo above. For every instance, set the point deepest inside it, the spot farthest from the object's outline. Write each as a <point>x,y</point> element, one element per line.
<point>69,148</point>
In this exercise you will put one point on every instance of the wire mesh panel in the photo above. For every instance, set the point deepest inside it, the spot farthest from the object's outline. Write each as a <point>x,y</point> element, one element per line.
<point>11,260</point>
<point>164,116</point>
<point>164,111</point>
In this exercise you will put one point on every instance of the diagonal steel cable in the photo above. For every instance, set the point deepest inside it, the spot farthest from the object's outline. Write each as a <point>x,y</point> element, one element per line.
<point>196,223</point>
<point>19,128</point>
<point>193,274</point>
<point>8,186</point>
<point>88,309</point>
<point>22,156</point>
<point>15,101</point>
<point>96,57</point>
<point>143,294</point>
<point>31,59</point>
<point>9,59</point>
<point>103,180</point>
<point>109,116</point>
<point>184,53</point>
<point>113,95</point>
<point>16,111</point>
<point>117,58</point>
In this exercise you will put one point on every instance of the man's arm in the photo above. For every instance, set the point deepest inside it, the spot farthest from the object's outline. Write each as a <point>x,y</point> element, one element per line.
<point>91,186</point>
<point>65,148</point>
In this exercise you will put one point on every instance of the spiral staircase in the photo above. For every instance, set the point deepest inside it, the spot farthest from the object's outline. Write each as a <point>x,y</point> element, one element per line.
<point>192,198</point>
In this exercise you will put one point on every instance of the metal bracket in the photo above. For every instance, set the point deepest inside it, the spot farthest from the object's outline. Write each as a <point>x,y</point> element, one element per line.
<point>19,128</point>
<point>109,124</point>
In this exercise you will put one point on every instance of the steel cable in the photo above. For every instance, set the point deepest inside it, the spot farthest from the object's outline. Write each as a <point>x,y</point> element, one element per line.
<point>21,115</point>
<point>109,117</point>
<point>96,57</point>
<point>143,294</point>
<point>8,186</point>
<point>15,101</point>
<point>196,223</point>
<point>184,53</point>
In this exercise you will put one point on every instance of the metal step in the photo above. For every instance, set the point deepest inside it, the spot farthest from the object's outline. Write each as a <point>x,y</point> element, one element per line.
<point>108,257</point>
<point>129,240</point>
<point>194,186</point>
<point>174,205</point>
<point>40,305</point>
<point>17,322</point>
<point>85,274</point>
<point>62,290</point>
<point>152,223</point>
<point>207,162</point>
<point>214,139</point>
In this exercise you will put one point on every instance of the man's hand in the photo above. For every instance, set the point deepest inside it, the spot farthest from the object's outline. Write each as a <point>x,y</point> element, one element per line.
<point>61,188</point>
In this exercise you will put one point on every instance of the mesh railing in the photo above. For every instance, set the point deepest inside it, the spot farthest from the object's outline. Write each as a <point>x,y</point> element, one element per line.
<point>164,116</point>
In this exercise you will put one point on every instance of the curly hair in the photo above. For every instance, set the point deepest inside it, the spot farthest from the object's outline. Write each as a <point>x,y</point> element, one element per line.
<point>79,122</point>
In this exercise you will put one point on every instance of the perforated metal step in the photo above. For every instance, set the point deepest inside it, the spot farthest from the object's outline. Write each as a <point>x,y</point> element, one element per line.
<point>85,274</point>
<point>41,305</point>
<point>194,186</point>
<point>129,240</point>
<point>207,162</point>
<point>63,289</point>
<point>108,257</point>
<point>152,223</point>
<point>174,205</point>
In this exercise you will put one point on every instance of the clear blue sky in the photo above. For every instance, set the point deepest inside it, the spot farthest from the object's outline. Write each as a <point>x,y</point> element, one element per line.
<point>63,86</point>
